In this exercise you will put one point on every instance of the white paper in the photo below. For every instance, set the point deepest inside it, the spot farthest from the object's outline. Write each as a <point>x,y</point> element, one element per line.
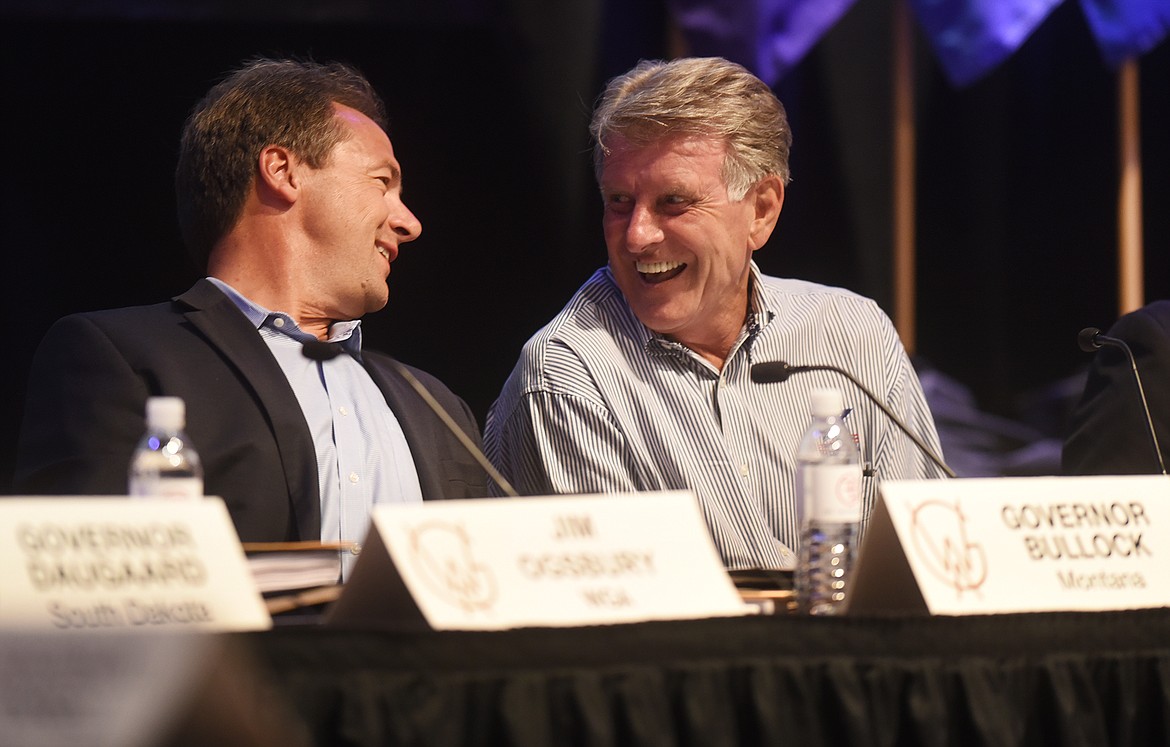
<point>116,564</point>
<point>552,561</point>
<point>979,546</point>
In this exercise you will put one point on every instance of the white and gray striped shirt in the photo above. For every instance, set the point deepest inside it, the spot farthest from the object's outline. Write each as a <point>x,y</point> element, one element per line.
<point>599,403</point>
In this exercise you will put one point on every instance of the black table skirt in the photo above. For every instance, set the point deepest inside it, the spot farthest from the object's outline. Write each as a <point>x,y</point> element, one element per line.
<point>1073,678</point>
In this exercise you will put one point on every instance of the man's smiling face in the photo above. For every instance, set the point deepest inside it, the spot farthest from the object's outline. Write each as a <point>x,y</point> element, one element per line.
<point>680,250</point>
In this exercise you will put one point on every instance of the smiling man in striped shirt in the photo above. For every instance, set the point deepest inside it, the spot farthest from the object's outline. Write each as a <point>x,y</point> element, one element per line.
<point>642,381</point>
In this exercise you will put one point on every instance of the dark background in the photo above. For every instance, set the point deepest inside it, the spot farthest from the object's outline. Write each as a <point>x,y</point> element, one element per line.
<point>489,104</point>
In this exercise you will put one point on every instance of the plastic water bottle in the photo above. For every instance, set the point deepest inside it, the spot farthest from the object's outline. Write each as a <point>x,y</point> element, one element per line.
<point>828,494</point>
<point>165,464</point>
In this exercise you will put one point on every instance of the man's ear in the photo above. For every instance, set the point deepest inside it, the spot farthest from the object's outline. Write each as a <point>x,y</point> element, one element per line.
<point>278,175</point>
<point>767,198</point>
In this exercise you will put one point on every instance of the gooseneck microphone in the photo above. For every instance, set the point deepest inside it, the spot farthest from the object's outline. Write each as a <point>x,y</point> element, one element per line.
<point>775,372</point>
<point>1091,340</point>
<point>323,351</point>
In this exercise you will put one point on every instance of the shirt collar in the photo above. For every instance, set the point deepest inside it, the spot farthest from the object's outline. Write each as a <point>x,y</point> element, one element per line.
<point>347,333</point>
<point>761,314</point>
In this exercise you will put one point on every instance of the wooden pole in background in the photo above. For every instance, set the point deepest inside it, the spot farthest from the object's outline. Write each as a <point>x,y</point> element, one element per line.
<point>904,168</point>
<point>1130,279</point>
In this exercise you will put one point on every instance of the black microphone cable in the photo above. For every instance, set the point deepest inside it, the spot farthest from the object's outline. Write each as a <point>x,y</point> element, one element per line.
<point>323,351</point>
<point>774,372</point>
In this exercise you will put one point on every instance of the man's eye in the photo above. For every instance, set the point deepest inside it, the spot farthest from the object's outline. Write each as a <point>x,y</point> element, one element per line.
<point>619,203</point>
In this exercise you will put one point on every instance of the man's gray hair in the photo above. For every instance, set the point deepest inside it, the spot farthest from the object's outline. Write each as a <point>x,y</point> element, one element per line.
<point>703,96</point>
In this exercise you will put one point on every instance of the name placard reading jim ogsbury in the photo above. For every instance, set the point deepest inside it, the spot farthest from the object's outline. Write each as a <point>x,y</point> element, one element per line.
<point>100,563</point>
<point>540,561</point>
<point>1032,544</point>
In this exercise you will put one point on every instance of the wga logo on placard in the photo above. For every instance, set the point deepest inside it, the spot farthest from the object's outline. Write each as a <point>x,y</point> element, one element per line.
<point>442,554</point>
<point>939,532</point>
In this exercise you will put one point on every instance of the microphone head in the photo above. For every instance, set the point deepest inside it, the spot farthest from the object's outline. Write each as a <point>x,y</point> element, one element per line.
<point>771,372</point>
<point>1087,339</point>
<point>315,350</point>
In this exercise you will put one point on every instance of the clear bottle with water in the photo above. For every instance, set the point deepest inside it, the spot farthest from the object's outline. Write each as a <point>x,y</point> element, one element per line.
<point>828,494</point>
<point>165,464</point>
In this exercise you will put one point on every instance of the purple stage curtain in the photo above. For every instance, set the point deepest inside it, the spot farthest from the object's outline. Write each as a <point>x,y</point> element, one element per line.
<point>972,37</point>
<point>769,37</point>
<point>1127,28</point>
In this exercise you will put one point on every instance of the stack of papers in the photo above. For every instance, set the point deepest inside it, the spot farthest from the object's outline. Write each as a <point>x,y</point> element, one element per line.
<point>285,566</point>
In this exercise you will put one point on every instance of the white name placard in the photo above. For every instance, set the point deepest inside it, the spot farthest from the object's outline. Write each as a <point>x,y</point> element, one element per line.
<point>541,561</point>
<point>100,563</point>
<point>979,546</point>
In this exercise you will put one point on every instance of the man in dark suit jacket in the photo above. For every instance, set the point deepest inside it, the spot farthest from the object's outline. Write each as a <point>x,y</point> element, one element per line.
<point>1108,433</point>
<point>290,193</point>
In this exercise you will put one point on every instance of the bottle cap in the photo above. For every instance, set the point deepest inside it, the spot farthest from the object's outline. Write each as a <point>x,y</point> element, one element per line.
<point>166,413</point>
<point>826,403</point>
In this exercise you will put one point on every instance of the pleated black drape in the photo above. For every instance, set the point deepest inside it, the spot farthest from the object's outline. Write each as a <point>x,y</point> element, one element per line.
<point>1077,679</point>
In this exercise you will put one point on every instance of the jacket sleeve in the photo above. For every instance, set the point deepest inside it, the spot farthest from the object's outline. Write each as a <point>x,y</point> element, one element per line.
<point>83,414</point>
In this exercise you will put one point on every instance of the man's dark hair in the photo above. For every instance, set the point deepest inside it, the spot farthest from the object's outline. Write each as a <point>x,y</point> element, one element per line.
<point>266,102</point>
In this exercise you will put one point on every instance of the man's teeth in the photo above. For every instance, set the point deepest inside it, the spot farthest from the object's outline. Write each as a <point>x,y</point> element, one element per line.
<point>653,268</point>
<point>383,252</point>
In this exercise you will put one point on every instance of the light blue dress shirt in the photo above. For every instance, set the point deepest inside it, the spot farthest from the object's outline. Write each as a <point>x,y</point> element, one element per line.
<point>362,455</point>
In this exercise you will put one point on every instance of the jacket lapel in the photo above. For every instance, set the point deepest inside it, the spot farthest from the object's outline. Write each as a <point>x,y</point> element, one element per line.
<point>417,423</point>
<point>214,315</point>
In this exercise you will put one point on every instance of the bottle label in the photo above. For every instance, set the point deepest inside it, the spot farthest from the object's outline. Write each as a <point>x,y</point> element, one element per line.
<point>832,492</point>
<point>169,488</point>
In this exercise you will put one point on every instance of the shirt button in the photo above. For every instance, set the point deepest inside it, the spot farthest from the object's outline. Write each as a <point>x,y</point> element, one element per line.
<point>743,470</point>
<point>356,549</point>
<point>278,322</point>
<point>343,410</point>
<point>353,477</point>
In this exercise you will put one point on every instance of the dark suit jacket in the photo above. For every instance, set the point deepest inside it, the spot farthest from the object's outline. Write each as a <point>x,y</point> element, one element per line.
<point>93,372</point>
<point>1108,433</point>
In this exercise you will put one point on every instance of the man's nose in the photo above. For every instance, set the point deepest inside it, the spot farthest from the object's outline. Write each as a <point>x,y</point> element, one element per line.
<point>404,224</point>
<point>643,230</point>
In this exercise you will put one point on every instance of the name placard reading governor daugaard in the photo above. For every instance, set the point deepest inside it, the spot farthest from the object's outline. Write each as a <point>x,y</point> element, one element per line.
<point>1026,544</point>
<point>546,561</point>
<point>91,564</point>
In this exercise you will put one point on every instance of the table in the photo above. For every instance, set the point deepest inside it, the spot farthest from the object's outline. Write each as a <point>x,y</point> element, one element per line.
<point>1029,679</point>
